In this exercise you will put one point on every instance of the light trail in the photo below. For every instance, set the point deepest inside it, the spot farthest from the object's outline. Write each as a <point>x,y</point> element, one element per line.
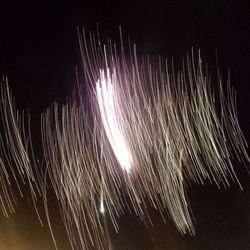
<point>17,159</point>
<point>110,119</point>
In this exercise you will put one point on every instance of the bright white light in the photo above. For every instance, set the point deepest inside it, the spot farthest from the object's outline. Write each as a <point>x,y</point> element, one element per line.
<point>110,119</point>
<point>102,210</point>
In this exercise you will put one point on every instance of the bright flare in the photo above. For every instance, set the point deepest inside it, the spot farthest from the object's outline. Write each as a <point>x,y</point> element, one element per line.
<point>110,119</point>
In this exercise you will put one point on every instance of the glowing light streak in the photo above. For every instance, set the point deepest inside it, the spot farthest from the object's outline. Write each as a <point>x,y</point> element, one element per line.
<point>110,119</point>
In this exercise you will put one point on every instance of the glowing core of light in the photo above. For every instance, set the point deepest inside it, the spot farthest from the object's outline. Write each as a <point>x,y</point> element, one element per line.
<point>110,119</point>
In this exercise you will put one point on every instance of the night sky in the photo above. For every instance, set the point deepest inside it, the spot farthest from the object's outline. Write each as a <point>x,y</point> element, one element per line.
<point>39,53</point>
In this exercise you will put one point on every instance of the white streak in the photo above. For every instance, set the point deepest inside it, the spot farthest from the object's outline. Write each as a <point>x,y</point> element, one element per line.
<point>110,119</point>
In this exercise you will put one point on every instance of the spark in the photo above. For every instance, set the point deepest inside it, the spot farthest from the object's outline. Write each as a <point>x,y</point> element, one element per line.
<point>102,210</point>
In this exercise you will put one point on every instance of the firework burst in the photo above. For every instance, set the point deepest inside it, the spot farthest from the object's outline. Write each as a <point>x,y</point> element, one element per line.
<point>140,136</point>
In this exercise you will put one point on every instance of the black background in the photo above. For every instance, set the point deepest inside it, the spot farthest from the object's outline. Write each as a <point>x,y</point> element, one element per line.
<point>39,52</point>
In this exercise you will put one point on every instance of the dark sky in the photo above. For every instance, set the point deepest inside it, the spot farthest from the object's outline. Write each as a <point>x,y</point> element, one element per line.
<point>39,52</point>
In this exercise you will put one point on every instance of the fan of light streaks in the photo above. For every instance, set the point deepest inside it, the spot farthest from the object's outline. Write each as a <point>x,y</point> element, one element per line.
<point>78,174</point>
<point>143,132</point>
<point>166,128</point>
<point>17,162</point>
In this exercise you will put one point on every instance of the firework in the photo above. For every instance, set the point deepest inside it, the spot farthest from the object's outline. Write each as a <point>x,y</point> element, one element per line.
<point>142,133</point>
<point>152,131</point>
